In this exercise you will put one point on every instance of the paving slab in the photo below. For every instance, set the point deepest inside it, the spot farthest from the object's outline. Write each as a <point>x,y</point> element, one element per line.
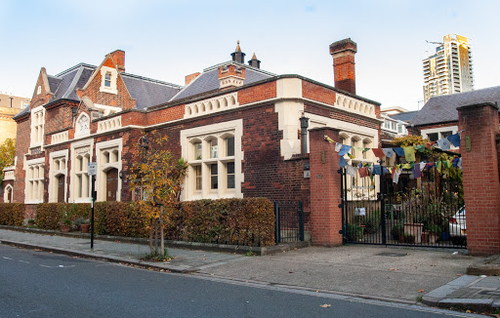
<point>369,271</point>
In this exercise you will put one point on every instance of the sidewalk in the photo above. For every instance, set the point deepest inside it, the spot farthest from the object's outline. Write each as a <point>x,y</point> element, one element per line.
<point>185,261</point>
<point>438,277</point>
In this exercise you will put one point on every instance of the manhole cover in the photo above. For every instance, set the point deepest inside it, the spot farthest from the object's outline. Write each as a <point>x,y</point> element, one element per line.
<point>392,254</point>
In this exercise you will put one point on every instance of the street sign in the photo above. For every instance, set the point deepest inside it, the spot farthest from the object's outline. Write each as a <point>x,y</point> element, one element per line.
<point>92,169</point>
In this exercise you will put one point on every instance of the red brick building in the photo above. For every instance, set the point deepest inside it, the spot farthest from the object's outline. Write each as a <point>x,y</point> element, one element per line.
<point>236,124</point>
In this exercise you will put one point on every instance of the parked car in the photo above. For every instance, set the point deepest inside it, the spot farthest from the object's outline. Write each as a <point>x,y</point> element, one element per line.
<point>457,226</point>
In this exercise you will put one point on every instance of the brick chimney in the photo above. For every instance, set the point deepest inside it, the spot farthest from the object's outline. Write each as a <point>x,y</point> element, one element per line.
<point>231,75</point>
<point>118,57</point>
<point>343,64</point>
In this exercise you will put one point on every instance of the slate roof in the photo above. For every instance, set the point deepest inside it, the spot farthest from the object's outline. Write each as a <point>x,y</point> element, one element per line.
<point>23,112</point>
<point>69,81</point>
<point>406,116</point>
<point>209,80</point>
<point>149,92</point>
<point>440,109</point>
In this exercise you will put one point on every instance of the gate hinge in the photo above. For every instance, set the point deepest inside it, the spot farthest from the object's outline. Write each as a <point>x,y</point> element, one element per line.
<point>341,232</point>
<point>340,205</point>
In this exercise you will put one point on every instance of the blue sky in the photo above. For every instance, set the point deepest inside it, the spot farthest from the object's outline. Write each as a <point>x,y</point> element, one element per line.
<point>167,40</point>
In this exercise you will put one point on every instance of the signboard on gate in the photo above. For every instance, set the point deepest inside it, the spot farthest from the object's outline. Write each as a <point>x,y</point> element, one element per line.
<point>92,169</point>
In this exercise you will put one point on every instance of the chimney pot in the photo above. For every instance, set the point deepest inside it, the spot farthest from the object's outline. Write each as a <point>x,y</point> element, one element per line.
<point>254,61</point>
<point>237,55</point>
<point>343,53</point>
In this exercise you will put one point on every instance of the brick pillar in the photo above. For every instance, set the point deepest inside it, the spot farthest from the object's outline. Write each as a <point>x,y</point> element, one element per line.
<point>481,177</point>
<point>326,216</point>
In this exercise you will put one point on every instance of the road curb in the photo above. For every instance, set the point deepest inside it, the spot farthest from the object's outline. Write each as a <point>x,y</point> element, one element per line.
<point>113,259</point>
<point>439,297</point>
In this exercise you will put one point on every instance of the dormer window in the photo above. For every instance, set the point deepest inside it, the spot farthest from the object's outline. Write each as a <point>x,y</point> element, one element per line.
<point>109,76</point>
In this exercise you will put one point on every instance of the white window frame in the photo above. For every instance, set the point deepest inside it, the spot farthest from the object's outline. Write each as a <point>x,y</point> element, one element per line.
<point>359,187</point>
<point>34,194</point>
<point>55,158</point>
<point>37,126</point>
<point>102,167</point>
<point>426,132</point>
<point>81,148</point>
<point>114,75</point>
<point>206,134</point>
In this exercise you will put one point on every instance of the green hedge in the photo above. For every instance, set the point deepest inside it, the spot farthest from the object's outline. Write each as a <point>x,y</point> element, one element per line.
<point>248,222</point>
<point>120,219</point>
<point>12,214</point>
<point>50,215</point>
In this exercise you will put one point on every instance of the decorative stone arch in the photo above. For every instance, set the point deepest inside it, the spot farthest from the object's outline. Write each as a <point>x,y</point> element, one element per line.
<point>217,104</point>
<point>356,106</point>
<point>189,111</point>
<point>109,165</point>
<point>223,102</point>
<point>339,100</point>
<point>210,106</point>
<point>203,108</point>
<point>8,194</point>
<point>82,125</point>
<point>231,101</point>
<point>211,140</point>
<point>362,108</point>
<point>192,155</point>
<point>343,137</point>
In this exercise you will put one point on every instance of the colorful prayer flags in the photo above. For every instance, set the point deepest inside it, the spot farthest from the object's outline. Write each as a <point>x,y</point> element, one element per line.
<point>409,153</point>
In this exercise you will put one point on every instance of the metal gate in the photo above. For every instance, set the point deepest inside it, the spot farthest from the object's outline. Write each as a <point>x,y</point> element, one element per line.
<point>423,212</point>
<point>289,221</point>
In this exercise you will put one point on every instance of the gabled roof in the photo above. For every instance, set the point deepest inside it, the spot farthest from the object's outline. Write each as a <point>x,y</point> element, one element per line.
<point>149,92</point>
<point>441,109</point>
<point>209,80</point>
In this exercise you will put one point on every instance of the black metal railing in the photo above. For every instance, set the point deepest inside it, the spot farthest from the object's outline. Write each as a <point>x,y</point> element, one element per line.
<point>289,221</point>
<point>413,222</point>
<point>429,214</point>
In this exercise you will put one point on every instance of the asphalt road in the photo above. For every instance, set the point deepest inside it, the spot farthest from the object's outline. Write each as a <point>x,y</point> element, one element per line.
<point>39,284</point>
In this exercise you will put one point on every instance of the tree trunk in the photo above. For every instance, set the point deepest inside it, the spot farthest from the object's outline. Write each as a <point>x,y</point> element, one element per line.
<point>156,237</point>
<point>162,234</point>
